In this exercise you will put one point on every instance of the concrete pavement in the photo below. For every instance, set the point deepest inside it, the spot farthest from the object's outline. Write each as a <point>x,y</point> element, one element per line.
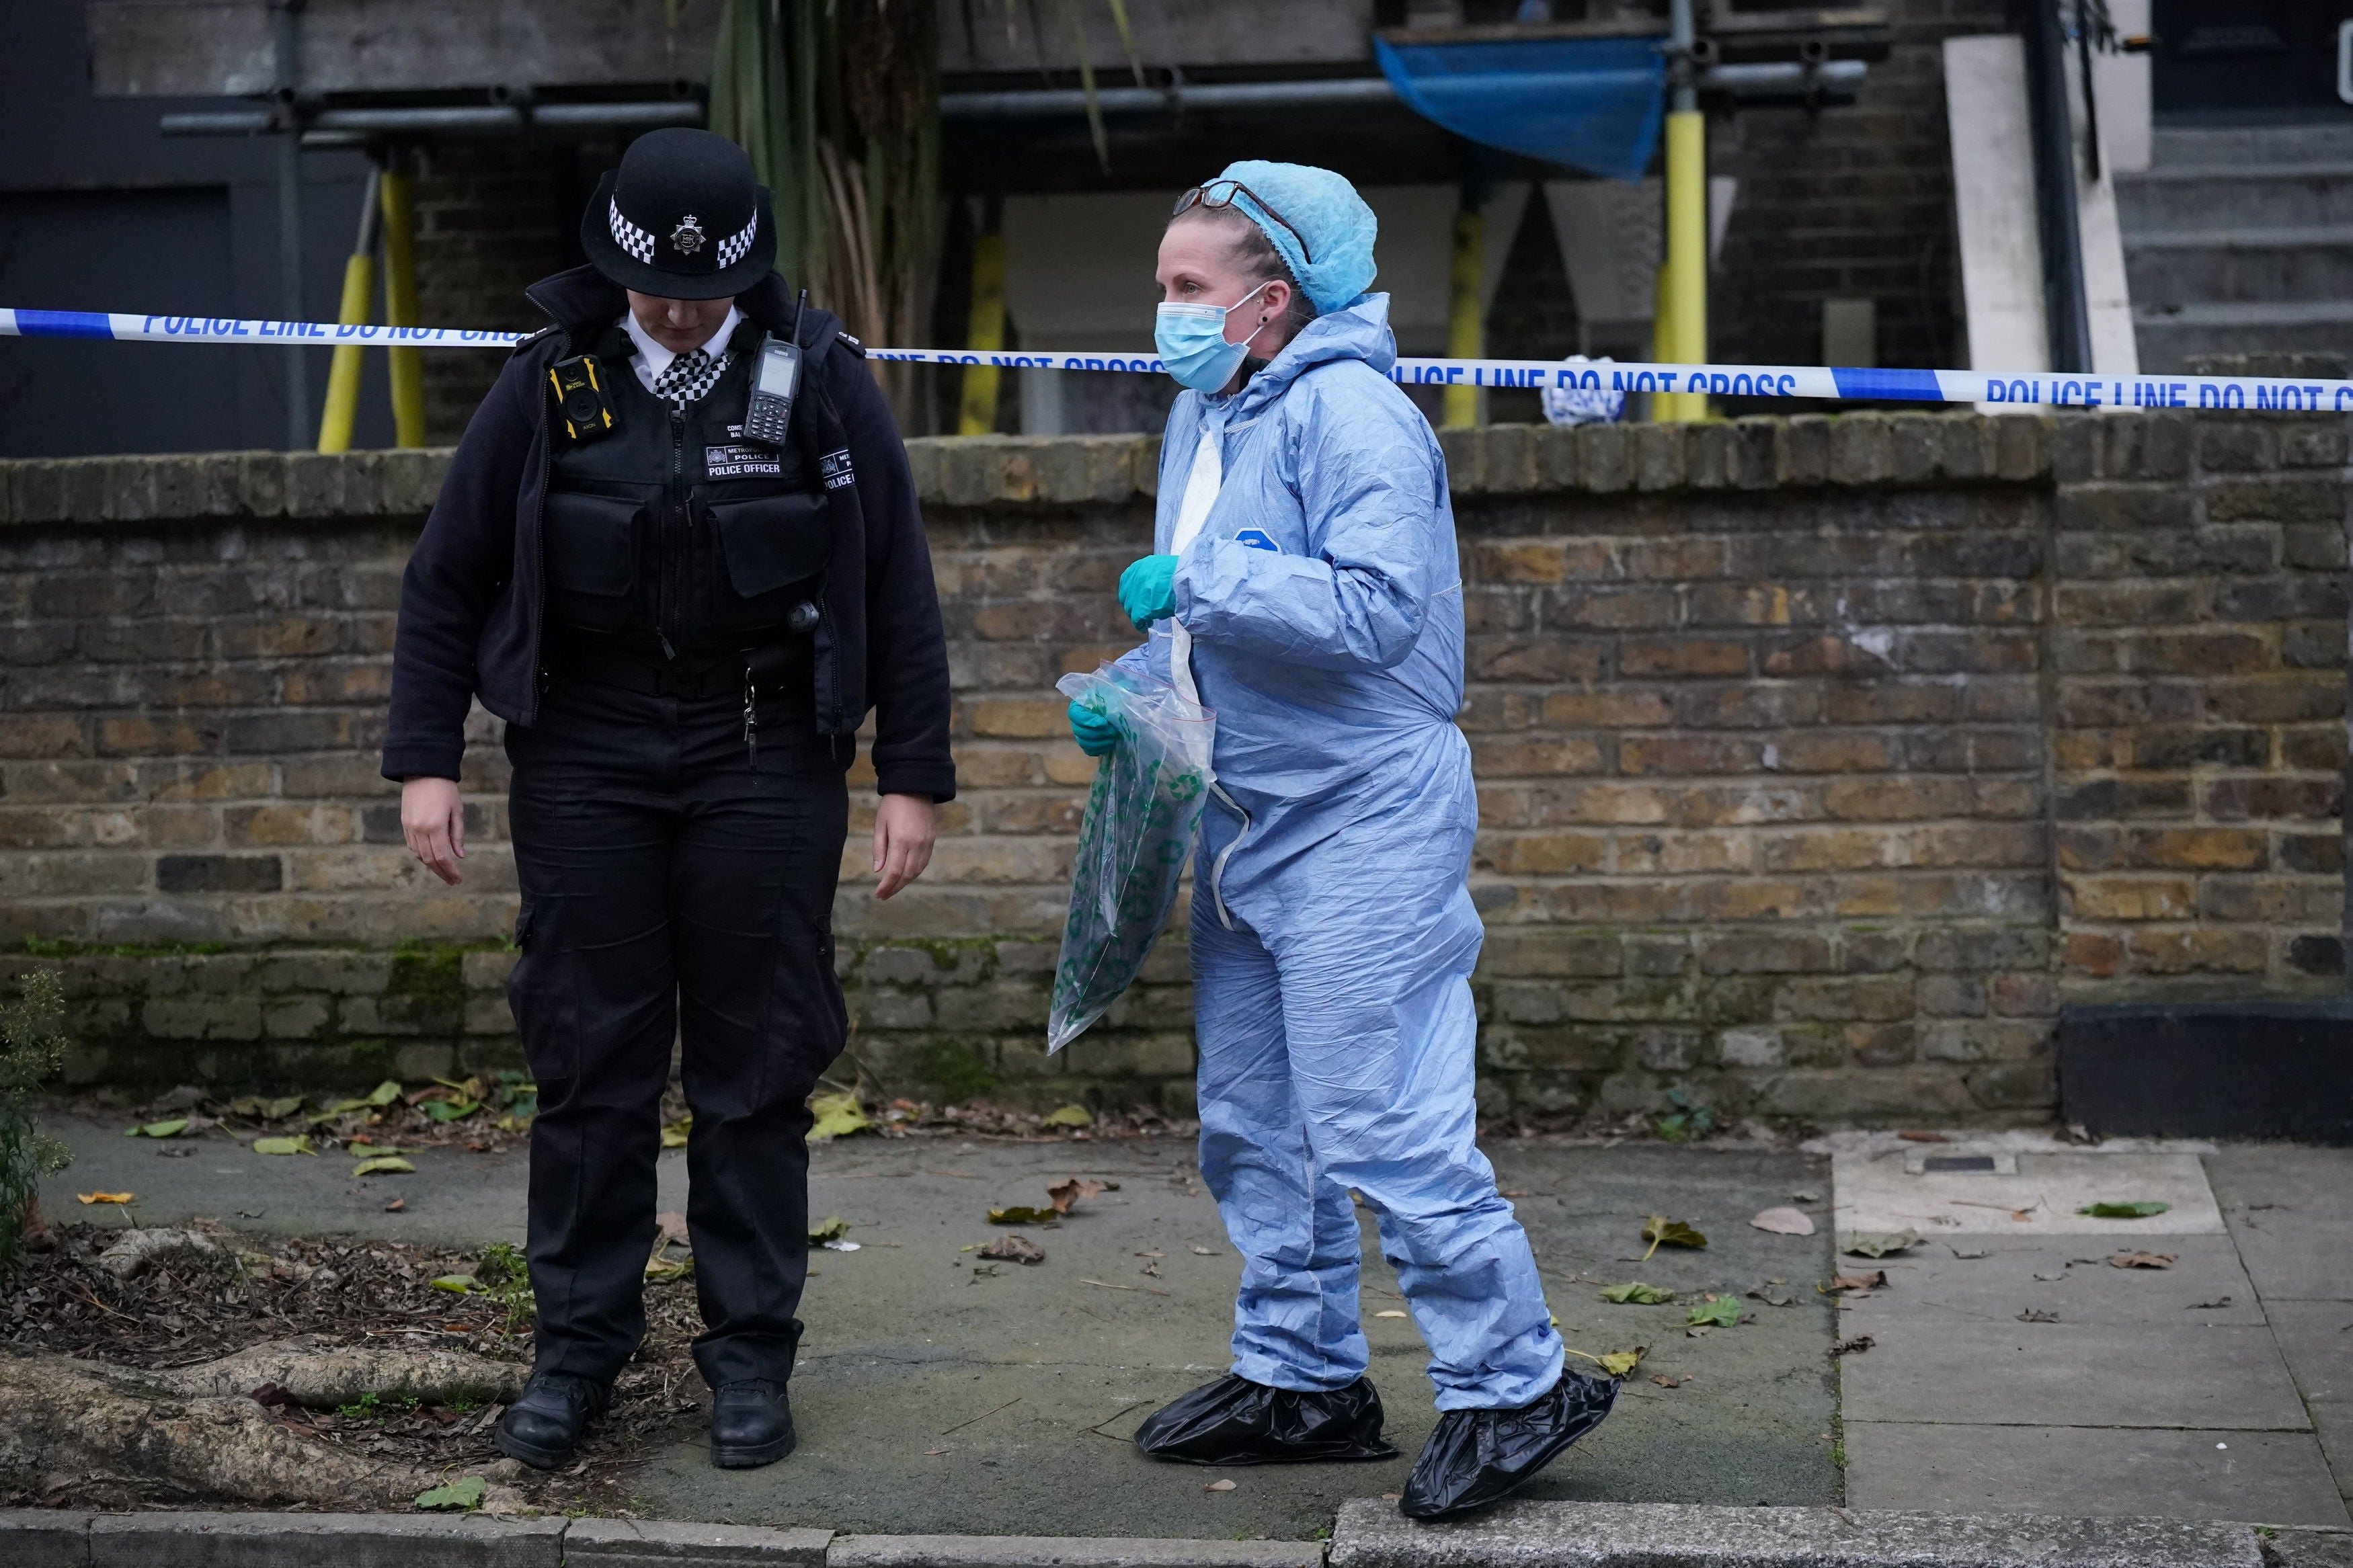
<point>2012,1369</point>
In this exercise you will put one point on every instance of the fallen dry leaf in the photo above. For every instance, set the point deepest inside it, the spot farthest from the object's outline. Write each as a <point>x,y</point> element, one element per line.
<point>1922,1136</point>
<point>1854,1346</point>
<point>1014,1249</point>
<point>1208,1251</point>
<point>1663,1380</point>
<point>1879,1243</point>
<point>2208,1306</point>
<point>1876,1279</point>
<point>2141,1261</point>
<point>1219,1487</point>
<point>1023,1213</point>
<point>1151,1255</point>
<point>1389,1313</point>
<point>1783,1222</point>
<point>106,1197</point>
<point>397,1205</point>
<point>1066,1194</point>
<point>1966,1256</point>
<point>933,1453</point>
<point>2038,1315</point>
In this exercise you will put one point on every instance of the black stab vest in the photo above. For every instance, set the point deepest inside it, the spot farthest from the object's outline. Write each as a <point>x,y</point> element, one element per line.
<point>674,536</point>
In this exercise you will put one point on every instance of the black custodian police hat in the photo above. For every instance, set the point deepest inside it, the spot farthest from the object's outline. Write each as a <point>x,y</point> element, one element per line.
<point>681,218</point>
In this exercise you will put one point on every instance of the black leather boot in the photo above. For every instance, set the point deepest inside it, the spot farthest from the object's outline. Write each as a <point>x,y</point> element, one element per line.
<point>751,1424</point>
<point>1234,1421</point>
<point>544,1424</point>
<point>1476,1457</point>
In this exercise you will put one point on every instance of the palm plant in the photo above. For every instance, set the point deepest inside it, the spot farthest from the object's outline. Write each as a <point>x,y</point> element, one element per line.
<point>838,104</point>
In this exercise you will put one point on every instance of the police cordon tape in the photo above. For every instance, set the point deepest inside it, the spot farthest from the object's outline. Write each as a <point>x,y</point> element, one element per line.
<point>1831,383</point>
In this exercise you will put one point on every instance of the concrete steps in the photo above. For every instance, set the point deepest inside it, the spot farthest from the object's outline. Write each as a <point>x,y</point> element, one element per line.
<point>2240,239</point>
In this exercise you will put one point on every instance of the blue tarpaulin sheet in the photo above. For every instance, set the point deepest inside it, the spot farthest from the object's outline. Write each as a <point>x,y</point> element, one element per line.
<point>1586,104</point>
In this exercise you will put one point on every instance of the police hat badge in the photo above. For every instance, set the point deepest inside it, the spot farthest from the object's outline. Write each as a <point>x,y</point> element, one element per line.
<point>686,237</point>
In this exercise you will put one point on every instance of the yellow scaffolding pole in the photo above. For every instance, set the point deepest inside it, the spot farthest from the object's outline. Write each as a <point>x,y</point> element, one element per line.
<point>1683,317</point>
<point>1466,327</point>
<point>359,290</point>
<point>407,372</point>
<point>977,413</point>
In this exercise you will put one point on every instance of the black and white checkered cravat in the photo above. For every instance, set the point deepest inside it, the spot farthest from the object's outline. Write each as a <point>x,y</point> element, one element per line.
<point>688,376</point>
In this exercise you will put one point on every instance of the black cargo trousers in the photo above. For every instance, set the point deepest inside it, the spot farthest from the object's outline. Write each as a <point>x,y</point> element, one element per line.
<point>671,890</point>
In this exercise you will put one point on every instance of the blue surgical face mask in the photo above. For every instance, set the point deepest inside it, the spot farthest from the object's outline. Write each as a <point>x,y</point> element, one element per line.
<point>1192,342</point>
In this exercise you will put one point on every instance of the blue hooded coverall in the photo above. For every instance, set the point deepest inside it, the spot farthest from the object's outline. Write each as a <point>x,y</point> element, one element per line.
<point>1333,931</point>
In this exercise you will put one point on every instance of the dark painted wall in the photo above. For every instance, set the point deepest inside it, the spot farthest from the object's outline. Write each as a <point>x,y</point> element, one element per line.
<point>99,211</point>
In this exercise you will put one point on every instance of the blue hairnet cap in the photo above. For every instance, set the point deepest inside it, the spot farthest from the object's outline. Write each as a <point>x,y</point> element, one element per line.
<point>1332,220</point>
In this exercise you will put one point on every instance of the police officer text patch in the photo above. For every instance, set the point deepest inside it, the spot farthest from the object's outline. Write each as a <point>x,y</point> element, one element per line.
<point>750,460</point>
<point>834,468</point>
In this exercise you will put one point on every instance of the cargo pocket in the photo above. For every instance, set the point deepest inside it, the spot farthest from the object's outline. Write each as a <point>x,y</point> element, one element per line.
<point>545,1000</point>
<point>771,542</point>
<point>591,542</point>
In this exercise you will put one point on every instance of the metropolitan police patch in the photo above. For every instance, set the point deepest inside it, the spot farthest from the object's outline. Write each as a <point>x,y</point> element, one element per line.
<point>834,470</point>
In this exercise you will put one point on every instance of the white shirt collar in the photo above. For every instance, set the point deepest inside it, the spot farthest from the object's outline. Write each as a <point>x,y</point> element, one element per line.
<point>655,359</point>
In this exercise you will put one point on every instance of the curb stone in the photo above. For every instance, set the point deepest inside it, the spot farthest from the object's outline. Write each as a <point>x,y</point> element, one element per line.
<point>1065,1551</point>
<point>38,1538</point>
<point>1371,1535</point>
<point>665,1543</point>
<point>310,1540</point>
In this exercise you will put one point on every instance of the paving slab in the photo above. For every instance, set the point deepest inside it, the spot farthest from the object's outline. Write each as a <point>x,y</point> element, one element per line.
<point>308,1539</point>
<point>2290,1209</point>
<point>1982,1277</point>
<point>2274,1478</point>
<point>1898,1186</point>
<point>1065,1551</point>
<point>2316,1338</point>
<point>2070,1375</point>
<point>1559,1535</point>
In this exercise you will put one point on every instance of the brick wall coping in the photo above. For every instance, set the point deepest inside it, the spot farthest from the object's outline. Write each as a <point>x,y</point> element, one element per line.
<point>1801,450</point>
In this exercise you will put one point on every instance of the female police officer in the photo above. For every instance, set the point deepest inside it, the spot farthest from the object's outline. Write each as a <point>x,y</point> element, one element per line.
<point>683,626</point>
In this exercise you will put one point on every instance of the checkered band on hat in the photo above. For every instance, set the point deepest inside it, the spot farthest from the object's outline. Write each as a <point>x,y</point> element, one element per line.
<point>732,249</point>
<point>632,238</point>
<point>688,376</point>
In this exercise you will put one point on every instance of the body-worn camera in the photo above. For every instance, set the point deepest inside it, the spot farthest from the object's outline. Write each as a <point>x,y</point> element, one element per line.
<point>582,399</point>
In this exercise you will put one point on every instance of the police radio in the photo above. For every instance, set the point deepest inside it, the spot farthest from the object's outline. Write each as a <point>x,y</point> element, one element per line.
<point>774,382</point>
<point>582,398</point>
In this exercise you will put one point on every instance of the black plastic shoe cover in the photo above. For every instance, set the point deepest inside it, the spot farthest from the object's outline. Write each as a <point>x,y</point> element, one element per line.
<point>1478,1455</point>
<point>1234,1421</point>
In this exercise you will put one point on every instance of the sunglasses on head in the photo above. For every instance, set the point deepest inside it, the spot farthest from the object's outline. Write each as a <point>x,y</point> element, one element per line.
<point>1219,194</point>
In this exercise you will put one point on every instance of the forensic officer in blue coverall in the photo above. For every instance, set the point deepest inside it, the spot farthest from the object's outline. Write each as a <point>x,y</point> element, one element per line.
<point>1305,587</point>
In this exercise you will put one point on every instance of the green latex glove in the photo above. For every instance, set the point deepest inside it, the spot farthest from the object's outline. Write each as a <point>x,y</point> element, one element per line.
<point>1147,590</point>
<point>1096,735</point>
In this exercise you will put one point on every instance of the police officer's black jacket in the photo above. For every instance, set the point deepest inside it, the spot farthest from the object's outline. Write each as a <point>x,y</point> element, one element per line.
<point>473,603</point>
